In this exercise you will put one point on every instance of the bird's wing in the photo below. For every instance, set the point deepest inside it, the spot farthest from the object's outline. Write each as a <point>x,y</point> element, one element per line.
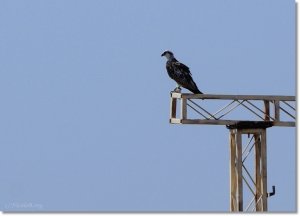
<point>182,75</point>
<point>182,67</point>
<point>176,70</point>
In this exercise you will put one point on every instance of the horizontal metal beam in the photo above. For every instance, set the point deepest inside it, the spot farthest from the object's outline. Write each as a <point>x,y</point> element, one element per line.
<point>222,122</point>
<point>233,97</point>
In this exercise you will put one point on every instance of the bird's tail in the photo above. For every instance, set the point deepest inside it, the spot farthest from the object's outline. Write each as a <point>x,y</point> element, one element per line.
<point>197,91</point>
<point>193,88</point>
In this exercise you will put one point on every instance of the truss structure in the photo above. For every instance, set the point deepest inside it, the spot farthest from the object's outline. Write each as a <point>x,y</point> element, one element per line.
<point>230,109</point>
<point>240,173</point>
<point>243,115</point>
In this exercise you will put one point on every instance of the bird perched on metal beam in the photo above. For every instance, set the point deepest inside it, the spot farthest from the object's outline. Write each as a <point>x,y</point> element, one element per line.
<point>180,73</point>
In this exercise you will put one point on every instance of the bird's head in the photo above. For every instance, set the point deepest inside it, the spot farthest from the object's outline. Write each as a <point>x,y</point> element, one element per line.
<point>168,54</point>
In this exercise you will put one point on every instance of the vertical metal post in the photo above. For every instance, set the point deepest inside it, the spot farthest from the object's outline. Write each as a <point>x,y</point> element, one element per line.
<point>267,110</point>
<point>183,108</point>
<point>233,176</point>
<point>236,179</point>
<point>276,110</point>
<point>258,177</point>
<point>173,103</point>
<point>261,170</point>
<point>264,169</point>
<point>239,166</point>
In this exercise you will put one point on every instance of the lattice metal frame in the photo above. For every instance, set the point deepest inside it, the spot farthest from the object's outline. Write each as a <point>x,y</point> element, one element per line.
<point>284,114</point>
<point>284,111</point>
<point>240,175</point>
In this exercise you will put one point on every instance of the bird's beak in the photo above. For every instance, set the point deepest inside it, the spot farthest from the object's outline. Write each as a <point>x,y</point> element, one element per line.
<point>163,54</point>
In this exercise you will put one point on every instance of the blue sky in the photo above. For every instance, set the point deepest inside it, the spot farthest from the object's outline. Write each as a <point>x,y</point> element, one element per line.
<point>85,101</point>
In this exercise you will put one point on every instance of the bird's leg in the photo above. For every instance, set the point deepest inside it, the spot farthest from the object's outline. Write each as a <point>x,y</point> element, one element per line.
<point>177,89</point>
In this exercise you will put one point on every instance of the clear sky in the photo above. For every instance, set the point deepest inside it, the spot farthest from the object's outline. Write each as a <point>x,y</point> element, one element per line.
<point>85,101</point>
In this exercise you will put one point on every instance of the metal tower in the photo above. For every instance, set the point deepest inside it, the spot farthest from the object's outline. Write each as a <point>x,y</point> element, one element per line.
<point>246,116</point>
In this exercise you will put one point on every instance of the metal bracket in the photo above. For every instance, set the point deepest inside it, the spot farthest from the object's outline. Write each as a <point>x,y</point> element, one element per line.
<point>272,193</point>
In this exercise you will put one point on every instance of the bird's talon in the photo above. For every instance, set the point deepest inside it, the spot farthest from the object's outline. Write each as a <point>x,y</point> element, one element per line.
<point>177,90</point>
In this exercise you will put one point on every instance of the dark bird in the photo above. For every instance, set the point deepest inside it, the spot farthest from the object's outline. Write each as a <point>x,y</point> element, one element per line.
<point>180,73</point>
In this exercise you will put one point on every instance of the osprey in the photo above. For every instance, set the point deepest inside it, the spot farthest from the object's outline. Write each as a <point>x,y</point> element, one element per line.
<point>180,73</point>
